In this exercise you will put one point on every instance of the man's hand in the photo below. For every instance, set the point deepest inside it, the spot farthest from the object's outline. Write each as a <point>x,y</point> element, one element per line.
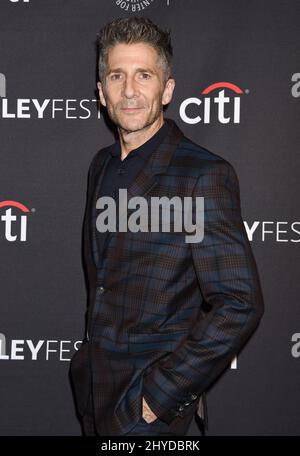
<point>148,415</point>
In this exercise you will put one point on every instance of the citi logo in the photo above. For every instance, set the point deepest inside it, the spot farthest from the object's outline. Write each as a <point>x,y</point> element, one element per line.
<point>15,225</point>
<point>214,105</point>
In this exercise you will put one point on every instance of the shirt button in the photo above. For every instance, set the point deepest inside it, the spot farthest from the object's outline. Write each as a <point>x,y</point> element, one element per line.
<point>100,289</point>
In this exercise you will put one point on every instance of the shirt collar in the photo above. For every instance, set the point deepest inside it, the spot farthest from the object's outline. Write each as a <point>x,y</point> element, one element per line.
<point>144,151</point>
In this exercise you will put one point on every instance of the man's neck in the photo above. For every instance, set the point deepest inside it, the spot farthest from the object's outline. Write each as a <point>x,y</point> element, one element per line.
<point>133,140</point>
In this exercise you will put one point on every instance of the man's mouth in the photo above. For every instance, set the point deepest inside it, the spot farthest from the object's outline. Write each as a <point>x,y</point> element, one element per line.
<point>130,109</point>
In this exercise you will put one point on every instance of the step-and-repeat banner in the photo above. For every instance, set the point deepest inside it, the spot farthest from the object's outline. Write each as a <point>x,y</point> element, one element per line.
<point>237,72</point>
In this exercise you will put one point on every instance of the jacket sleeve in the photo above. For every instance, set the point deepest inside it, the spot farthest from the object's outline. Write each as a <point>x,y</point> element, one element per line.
<point>229,283</point>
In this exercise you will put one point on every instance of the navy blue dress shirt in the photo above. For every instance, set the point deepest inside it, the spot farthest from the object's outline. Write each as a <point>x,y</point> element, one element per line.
<point>121,173</point>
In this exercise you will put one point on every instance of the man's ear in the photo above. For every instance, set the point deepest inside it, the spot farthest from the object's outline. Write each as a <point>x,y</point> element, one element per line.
<point>101,93</point>
<point>168,91</point>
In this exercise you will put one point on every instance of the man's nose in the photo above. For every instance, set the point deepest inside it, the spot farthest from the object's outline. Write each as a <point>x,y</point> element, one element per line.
<point>129,88</point>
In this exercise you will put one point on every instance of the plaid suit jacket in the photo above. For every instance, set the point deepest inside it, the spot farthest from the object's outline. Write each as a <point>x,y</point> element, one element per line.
<point>165,317</point>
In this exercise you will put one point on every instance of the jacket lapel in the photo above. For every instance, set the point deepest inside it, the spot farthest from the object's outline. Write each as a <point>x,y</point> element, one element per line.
<point>99,174</point>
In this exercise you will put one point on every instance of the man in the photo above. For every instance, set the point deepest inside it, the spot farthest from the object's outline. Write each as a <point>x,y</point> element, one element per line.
<point>165,316</point>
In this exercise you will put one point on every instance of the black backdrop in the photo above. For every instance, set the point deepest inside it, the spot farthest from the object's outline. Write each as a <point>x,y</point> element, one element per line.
<point>49,131</point>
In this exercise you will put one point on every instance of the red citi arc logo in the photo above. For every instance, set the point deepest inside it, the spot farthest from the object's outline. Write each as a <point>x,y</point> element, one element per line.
<point>14,223</point>
<point>232,103</point>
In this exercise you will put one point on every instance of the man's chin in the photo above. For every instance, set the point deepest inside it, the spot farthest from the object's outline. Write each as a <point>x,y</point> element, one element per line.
<point>132,125</point>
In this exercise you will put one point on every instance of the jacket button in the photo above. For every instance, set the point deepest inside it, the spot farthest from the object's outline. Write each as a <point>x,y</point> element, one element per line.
<point>180,408</point>
<point>193,396</point>
<point>100,289</point>
<point>186,404</point>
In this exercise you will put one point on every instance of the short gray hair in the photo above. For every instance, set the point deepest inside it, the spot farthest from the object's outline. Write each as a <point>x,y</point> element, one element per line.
<point>130,30</point>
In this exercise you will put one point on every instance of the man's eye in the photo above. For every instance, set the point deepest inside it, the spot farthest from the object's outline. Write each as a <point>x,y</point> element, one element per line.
<point>115,76</point>
<point>145,75</point>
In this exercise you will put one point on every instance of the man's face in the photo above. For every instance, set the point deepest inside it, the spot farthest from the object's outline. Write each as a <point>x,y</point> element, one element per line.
<point>134,92</point>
